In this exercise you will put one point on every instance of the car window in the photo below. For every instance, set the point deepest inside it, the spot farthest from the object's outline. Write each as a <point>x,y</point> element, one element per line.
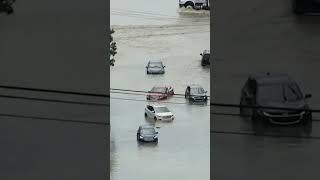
<point>197,90</point>
<point>292,92</point>
<point>155,64</point>
<point>161,109</point>
<point>270,92</point>
<point>158,90</point>
<point>206,57</point>
<point>148,131</point>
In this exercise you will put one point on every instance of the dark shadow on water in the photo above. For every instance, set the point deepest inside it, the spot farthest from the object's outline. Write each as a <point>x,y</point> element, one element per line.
<point>294,131</point>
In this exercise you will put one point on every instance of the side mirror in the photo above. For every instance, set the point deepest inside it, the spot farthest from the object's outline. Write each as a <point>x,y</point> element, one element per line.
<point>307,96</point>
<point>157,132</point>
<point>164,66</point>
<point>200,54</point>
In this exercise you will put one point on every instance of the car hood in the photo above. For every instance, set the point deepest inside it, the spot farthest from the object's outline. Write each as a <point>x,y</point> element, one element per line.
<point>155,69</point>
<point>164,114</point>
<point>199,94</point>
<point>286,104</point>
<point>148,135</point>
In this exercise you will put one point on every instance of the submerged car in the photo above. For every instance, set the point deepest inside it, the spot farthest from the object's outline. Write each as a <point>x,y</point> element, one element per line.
<point>155,67</point>
<point>195,4</point>
<point>147,133</point>
<point>158,112</point>
<point>160,92</point>
<point>196,93</point>
<point>278,91</point>
<point>305,6</point>
<point>205,57</point>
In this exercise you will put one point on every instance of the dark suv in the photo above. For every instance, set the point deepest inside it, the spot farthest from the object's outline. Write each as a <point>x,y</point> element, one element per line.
<point>205,60</point>
<point>278,91</point>
<point>305,6</point>
<point>196,93</point>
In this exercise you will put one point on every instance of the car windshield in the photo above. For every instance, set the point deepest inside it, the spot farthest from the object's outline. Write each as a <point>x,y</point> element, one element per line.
<point>197,90</point>
<point>155,64</point>
<point>148,131</point>
<point>279,92</point>
<point>206,56</point>
<point>158,90</point>
<point>161,109</point>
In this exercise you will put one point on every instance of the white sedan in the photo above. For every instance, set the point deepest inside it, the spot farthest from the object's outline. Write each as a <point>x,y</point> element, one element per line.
<point>158,112</point>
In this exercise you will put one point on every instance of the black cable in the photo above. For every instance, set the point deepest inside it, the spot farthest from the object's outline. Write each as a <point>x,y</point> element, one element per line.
<point>54,91</point>
<point>240,115</point>
<point>53,119</point>
<point>140,91</point>
<point>129,93</point>
<point>247,133</point>
<point>55,100</point>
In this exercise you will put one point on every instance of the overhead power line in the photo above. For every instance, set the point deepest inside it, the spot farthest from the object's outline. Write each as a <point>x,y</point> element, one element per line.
<point>54,91</point>
<point>53,119</point>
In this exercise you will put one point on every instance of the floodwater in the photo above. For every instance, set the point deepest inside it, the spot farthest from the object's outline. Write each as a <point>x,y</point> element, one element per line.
<point>177,37</point>
<point>256,37</point>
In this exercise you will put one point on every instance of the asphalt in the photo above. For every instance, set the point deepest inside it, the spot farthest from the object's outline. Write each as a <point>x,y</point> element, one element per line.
<point>258,36</point>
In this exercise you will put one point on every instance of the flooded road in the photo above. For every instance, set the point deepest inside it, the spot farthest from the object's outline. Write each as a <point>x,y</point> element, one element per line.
<point>177,37</point>
<point>259,37</point>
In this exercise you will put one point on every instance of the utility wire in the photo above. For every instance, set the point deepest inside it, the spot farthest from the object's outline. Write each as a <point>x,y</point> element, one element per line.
<point>52,119</point>
<point>248,133</point>
<point>53,91</point>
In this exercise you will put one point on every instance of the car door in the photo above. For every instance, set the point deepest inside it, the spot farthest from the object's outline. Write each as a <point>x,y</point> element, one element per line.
<point>152,112</point>
<point>187,93</point>
<point>138,132</point>
<point>245,97</point>
<point>251,95</point>
<point>148,110</point>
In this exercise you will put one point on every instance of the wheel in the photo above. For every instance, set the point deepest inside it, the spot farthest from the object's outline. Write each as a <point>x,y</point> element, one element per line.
<point>189,5</point>
<point>147,72</point>
<point>259,123</point>
<point>145,114</point>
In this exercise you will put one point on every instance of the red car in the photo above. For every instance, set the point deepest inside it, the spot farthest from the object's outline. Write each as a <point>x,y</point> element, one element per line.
<point>158,93</point>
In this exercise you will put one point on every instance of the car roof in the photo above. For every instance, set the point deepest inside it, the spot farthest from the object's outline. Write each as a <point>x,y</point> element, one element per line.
<point>157,105</point>
<point>271,78</point>
<point>206,51</point>
<point>155,61</point>
<point>195,86</point>
<point>147,126</point>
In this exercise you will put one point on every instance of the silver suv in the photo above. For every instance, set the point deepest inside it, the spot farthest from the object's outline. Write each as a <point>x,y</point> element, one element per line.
<point>195,4</point>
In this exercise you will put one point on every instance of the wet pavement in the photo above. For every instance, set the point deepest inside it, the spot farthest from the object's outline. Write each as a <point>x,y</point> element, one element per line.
<point>253,37</point>
<point>177,39</point>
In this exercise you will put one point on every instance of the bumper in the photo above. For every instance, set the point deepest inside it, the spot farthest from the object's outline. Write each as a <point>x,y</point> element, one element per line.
<point>149,140</point>
<point>199,99</point>
<point>287,119</point>
<point>165,118</point>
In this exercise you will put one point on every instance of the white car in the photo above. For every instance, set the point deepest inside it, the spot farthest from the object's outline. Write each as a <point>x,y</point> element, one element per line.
<point>158,112</point>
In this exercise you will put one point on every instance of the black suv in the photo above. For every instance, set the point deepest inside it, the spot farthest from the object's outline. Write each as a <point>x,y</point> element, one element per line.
<point>274,90</point>
<point>205,60</point>
<point>305,6</point>
<point>196,93</point>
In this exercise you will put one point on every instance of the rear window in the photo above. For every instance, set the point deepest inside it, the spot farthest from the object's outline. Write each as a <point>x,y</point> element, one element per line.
<point>158,90</point>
